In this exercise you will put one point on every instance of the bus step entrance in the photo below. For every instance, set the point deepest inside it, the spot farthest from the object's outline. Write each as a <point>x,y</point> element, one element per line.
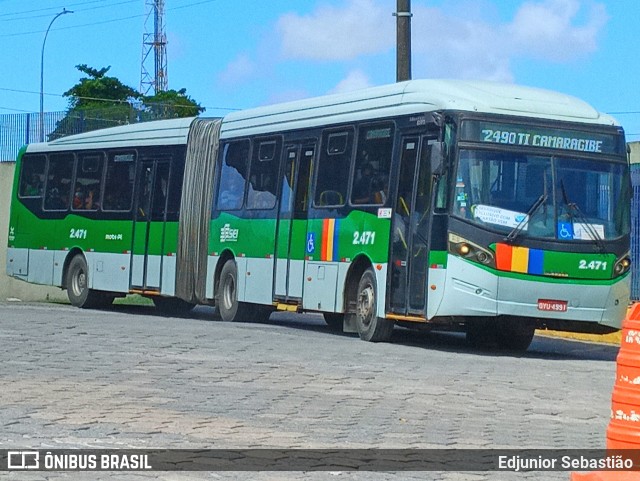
<point>287,307</point>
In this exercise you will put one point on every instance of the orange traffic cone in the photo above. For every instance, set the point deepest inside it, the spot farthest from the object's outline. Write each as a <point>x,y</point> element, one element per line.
<point>624,428</point>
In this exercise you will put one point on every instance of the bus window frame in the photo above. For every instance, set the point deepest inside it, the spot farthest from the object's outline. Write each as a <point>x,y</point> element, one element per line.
<point>27,157</point>
<point>111,155</point>
<point>323,149</point>
<point>72,154</point>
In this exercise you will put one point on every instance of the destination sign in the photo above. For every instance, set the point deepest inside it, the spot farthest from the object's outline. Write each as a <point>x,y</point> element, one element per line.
<point>535,136</point>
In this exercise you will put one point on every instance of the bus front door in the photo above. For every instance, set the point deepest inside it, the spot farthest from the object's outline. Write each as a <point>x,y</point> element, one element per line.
<point>292,222</point>
<point>149,226</point>
<point>411,224</point>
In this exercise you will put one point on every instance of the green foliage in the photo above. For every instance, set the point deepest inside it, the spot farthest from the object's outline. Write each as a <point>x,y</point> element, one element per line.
<point>100,101</point>
<point>171,104</point>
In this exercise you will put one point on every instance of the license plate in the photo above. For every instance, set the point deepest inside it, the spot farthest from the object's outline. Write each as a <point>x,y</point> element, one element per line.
<point>552,305</point>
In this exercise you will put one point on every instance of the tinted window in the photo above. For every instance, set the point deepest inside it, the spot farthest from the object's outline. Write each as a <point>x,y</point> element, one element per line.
<point>333,168</point>
<point>32,176</point>
<point>373,164</point>
<point>233,173</point>
<point>58,185</point>
<point>263,175</point>
<point>86,192</point>
<point>118,187</point>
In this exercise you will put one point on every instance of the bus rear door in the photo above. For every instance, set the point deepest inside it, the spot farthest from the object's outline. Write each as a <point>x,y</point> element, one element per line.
<point>411,226</point>
<point>149,225</point>
<point>292,222</point>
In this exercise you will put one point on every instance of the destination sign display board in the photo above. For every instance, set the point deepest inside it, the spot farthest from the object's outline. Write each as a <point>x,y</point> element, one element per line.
<point>543,137</point>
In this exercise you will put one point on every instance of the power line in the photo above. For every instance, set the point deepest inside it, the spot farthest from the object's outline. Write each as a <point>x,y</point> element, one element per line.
<point>101,6</point>
<point>20,34</point>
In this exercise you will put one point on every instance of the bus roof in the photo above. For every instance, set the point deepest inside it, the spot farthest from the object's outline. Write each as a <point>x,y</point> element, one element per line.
<point>414,96</point>
<point>158,132</point>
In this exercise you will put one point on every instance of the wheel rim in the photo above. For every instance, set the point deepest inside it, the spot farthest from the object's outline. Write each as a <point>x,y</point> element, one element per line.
<point>365,305</point>
<point>79,282</point>
<point>229,291</point>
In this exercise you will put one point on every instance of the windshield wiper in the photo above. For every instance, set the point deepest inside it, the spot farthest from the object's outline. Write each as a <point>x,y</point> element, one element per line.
<point>525,220</point>
<point>572,208</point>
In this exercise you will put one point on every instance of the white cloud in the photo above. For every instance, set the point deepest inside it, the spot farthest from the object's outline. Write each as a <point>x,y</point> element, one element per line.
<point>238,70</point>
<point>355,80</point>
<point>470,46</point>
<point>361,27</point>
<point>548,30</point>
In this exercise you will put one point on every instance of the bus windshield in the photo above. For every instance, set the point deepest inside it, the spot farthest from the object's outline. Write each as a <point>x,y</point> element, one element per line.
<point>563,198</point>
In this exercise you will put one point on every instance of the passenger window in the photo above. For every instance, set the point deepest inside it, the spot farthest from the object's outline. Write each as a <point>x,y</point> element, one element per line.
<point>373,165</point>
<point>263,175</point>
<point>333,169</point>
<point>58,185</point>
<point>32,176</point>
<point>119,181</point>
<point>86,192</point>
<point>233,174</point>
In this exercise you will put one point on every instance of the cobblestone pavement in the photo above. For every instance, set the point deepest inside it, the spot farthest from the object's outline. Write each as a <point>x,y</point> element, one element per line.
<point>128,378</point>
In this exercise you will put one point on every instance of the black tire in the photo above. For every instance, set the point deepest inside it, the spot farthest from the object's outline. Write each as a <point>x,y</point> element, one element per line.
<point>370,327</point>
<point>173,306</point>
<point>227,296</point>
<point>515,334</point>
<point>335,320</point>
<point>480,332</point>
<point>77,283</point>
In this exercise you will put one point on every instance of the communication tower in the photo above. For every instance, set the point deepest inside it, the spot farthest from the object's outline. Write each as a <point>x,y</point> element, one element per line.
<point>154,67</point>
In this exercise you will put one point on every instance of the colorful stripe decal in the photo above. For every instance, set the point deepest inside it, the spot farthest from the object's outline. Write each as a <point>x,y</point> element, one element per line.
<point>519,259</point>
<point>330,239</point>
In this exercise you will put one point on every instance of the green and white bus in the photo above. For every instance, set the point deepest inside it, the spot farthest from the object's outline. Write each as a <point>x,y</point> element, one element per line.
<point>490,208</point>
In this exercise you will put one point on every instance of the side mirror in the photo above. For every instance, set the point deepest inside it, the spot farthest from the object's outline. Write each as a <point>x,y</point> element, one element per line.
<point>437,158</point>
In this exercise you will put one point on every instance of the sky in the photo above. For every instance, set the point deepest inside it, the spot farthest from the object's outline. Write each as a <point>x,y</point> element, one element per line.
<point>234,54</point>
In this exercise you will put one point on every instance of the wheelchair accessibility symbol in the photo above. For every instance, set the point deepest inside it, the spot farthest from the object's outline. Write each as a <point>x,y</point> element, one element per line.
<point>565,230</point>
<point>311,242</point>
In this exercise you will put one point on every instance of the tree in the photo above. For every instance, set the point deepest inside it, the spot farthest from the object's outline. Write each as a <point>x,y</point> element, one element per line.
<point>171,104</point>
<point>100,101</point>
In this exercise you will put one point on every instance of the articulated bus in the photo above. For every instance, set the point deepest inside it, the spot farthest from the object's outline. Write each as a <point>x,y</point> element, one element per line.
<point>489,208</point>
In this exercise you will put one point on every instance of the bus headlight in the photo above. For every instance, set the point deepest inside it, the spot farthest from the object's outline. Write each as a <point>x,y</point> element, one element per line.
<point>461,247</point>
<point>622,265</point>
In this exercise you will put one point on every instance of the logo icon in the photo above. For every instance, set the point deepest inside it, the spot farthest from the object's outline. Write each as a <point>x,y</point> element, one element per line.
<point>23,460</point>
<point>227,234</point>
<point>565,230</point>
<point>311,242</point>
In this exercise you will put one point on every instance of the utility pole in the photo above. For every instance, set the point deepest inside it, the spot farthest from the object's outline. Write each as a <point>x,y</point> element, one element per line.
<point>403,40</point>
<point>154,42</point>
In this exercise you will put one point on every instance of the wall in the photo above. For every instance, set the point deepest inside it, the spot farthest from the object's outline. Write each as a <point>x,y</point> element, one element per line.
<point>12,288</point>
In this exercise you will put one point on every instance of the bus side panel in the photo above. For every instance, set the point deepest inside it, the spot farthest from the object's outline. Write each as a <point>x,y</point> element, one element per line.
<point>168,275</point>
<point>110,272</point>
<point>321,286</point>
<point>18,262</point>
<point>258,280</point>
<point>41,266</point>
<point>469,290</point>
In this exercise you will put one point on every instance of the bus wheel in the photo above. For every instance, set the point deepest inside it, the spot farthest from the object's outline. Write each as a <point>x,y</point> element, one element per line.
<point>334,320</point>
<point>480,332</point>
<point>515,334</point>
<point>173,306</point>
<point>370,326</point>
<point>77,283</point>
<point>227,296</point>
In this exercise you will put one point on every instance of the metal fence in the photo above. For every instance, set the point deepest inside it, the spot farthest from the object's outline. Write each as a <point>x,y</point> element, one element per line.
<point>17,130</point>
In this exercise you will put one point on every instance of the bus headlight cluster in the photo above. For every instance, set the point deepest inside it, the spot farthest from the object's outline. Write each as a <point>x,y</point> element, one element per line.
<point>468,250</point>
<point>622,265</point>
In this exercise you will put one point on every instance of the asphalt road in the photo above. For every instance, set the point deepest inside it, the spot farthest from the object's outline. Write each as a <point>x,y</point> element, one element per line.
<point>129,378</point>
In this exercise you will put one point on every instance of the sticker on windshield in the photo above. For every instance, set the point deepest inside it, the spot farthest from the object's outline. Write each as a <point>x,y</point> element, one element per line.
<point>565,230</point>
<point>499,216</point>
<point>587,231</point>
